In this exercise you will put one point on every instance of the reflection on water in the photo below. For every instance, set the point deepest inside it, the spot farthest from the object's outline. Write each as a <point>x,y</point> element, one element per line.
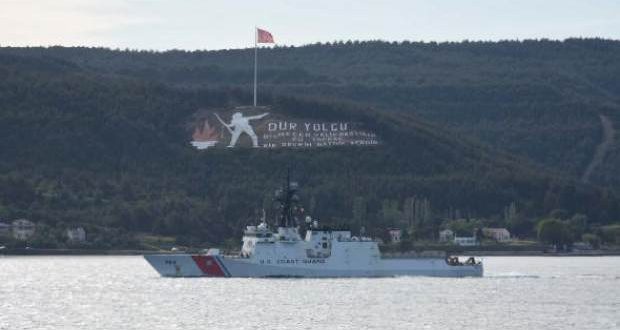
<point>125,293</point>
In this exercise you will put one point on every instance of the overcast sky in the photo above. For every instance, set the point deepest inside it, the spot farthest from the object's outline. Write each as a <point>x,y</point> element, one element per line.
<point>206,24</point>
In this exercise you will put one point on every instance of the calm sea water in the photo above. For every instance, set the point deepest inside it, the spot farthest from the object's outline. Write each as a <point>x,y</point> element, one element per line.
<point>125,293</point>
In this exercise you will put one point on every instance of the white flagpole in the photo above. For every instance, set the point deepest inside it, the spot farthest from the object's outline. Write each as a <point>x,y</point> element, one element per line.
<point>255,61</point>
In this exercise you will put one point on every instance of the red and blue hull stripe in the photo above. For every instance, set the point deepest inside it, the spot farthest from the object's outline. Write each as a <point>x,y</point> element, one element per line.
<point>211,266</point>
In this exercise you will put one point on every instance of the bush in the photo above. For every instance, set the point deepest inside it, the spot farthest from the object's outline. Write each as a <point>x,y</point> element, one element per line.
<point>592,239</point>
<point>610,234</point>
<point>405,245</point>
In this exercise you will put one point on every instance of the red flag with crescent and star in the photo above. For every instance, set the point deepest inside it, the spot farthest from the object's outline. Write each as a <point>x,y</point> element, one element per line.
<point>264,37</point>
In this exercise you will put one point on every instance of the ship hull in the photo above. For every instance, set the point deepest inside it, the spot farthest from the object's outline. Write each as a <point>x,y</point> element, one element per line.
<point>187,265</point>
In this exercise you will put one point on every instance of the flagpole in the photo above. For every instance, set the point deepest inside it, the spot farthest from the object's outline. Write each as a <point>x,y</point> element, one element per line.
<point>255,61</point>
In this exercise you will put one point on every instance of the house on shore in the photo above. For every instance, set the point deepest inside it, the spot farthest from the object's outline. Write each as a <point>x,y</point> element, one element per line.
<point>395,235</point>
<point>76,234</point>
<point>497,234</point>
<point>23,229</point>
<point>446,235</point>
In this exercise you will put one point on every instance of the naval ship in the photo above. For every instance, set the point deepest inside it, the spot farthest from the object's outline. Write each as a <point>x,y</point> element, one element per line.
<point>322,252</point>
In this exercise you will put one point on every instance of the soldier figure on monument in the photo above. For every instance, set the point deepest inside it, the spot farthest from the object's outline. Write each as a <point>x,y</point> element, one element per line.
<point>240,124</point>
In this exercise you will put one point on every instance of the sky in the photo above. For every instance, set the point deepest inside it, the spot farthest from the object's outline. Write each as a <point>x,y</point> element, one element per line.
<point>207,24</point>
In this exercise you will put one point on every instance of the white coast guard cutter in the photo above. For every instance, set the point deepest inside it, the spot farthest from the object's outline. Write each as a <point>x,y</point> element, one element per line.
<point>323,252</point>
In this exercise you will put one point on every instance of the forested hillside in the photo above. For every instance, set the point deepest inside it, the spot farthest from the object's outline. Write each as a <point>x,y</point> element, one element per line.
<point>539,99</point>
<point>97,137</point>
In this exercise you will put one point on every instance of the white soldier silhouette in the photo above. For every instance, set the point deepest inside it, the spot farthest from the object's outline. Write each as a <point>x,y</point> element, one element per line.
<point>239,125</point>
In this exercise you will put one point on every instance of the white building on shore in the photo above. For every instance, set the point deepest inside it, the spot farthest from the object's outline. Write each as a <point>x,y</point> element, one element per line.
<point>466,241</point>
<point>498,234</point>
<point>77,234</point>
<point>395,235</point>
<point>446,235</point>
<point>23,229</point>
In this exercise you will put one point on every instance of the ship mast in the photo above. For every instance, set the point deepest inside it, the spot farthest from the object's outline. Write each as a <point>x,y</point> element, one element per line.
<point>287,198</point>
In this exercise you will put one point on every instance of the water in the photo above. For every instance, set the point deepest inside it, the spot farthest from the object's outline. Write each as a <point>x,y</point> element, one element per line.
<point>125,293</point>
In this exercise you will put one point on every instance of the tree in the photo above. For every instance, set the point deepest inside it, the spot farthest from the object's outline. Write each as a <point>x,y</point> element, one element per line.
<point>610,234</point>
<point>409,211</point>
<point>510,212</point>
<point>577,225</point>
<point>520,226</point>
<point>464,227</point>
<point>553,231</point>
<point>591,239</point>
<point>359,211</point>
<point>558,214</point>
<point>390,214</point>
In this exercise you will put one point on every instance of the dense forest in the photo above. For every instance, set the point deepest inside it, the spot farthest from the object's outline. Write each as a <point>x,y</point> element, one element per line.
<point>97,138</point>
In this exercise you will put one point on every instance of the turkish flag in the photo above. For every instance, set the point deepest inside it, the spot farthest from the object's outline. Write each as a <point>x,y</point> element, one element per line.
<point>264,37</point>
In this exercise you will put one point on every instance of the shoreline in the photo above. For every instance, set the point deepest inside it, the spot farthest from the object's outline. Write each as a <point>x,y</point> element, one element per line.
<point>75,252</point>
<point>473,253</point>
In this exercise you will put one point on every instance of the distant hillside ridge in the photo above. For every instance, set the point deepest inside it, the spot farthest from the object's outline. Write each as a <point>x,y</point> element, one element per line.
<point>540,99</point>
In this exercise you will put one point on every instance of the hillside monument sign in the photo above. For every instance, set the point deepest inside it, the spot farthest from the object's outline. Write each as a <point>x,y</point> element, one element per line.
<point>258,127</point>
